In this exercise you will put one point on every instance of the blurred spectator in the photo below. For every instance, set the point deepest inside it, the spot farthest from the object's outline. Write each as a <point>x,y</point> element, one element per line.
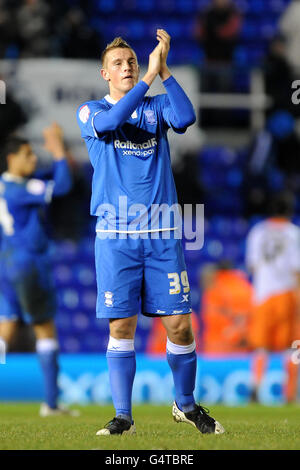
<point>33,21</point>
<point>78,39</point>
<point>278,76</point>
<point>273,258</point>
<point>186,180</point>
<point>217,31</point>
<point>282,127</point>
<point>12,116</point>
<point>273,162</point>
<point>289,26</point>
<point>225,310</point>
<point>7,28</point>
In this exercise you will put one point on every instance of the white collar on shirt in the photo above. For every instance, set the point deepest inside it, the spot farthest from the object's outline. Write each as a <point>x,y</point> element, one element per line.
<point>12,178</point>
<point>110,100</point>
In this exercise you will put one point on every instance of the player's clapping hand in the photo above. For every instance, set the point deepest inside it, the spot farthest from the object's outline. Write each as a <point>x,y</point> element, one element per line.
<point>155,59</point>
<point>154,64</point>
<point>164,40</point>
<point>54,141</point>
<point>158,58</point>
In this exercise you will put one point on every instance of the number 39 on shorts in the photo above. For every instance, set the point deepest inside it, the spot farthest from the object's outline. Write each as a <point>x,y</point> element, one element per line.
<point>175,285</point>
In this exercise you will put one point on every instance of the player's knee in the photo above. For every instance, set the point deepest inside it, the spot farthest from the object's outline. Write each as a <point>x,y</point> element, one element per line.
<point>182,334</point>
<point>8,331</point>
<point>124,329</point>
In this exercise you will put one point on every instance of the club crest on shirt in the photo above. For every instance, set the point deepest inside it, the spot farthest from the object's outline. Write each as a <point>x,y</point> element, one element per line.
<point>36,186</point>
<point>150,116</point>
<point>84,113</point>
<point>109,299</point>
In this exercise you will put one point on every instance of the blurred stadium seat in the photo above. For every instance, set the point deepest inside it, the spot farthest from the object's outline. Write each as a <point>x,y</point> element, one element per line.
<point>131,19</point>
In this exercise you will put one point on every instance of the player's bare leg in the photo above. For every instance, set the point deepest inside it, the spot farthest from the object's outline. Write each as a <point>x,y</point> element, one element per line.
<point>259,366</point>
<point>179,329</point>
<point>7,332</point>
<point>123,328</point>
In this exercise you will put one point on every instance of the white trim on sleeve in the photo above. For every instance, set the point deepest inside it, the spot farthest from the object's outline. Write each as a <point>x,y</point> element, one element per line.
<point>95,132</point>
<point>49,191</point>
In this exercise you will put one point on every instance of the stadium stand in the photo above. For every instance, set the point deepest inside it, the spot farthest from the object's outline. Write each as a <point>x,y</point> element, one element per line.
<point>221,170</point>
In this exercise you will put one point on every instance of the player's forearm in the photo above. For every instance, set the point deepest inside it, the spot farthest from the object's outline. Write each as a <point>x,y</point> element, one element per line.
<point>183,114</point>
<point>149,78</point>
<point>164,72</point>
<point>59,153</point>
<point>62,178</point>
<point>110,120</point>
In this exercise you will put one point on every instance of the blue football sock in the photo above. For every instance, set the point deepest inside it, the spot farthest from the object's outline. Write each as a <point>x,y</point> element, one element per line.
<point>49,365</point>
<point>184,368</point>
<point>121,367</point>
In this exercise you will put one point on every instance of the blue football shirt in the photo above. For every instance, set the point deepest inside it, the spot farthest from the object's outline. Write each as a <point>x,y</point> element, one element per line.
<point>22,208</point>
<point>133,186</point>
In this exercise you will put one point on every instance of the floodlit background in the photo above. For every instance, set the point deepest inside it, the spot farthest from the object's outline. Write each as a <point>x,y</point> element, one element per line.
<point>243,149</point>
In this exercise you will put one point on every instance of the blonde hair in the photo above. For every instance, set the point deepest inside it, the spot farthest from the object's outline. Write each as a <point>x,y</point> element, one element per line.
<point>116,43</point>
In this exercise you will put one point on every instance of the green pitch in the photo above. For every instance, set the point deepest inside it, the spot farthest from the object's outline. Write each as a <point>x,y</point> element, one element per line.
<point>249,427</point>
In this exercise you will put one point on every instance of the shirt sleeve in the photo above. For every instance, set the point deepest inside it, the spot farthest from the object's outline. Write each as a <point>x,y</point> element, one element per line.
<point>40,192</point>
<point>116,116</point>
<point>85,118</point>
<point>178,111</point>
<point>96,121</point>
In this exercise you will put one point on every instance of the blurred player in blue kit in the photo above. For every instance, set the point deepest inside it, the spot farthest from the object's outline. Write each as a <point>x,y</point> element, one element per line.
<point>26,287</point>
<point>140,267</point>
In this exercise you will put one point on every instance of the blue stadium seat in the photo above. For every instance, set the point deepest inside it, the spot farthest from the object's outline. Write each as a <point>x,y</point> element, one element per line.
<point>62,274</point>
<point>255,219</point>
<point>86,249</point>
<point>84,274</point>
<point>70,344</point>
<point>80,321</point>
<point>92,342</point>
<point>145,6</point>
<point>127,7</point>
<point>105,6</point>
<point>276,180</point>
<point>296,219</point>
<point>215,248</point>
<point>240,56</point>
<point>69,298</point>
<point>231,251</point>
<point>268,28</point>
<point>166,7</point>
<point>186,6</point>
<point>256,7</point>
<point>64,251</point>
<point>136,30</point>
<point>87,299</point>
<point>221,226</point>
<point>63,321</point>
<point>218,156</point>
<point>277,6</point>
<point>224,202</point>
<point>234,178</point>
<point>250,30</point>
<point>240,227</point>
<point>243,6</point>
